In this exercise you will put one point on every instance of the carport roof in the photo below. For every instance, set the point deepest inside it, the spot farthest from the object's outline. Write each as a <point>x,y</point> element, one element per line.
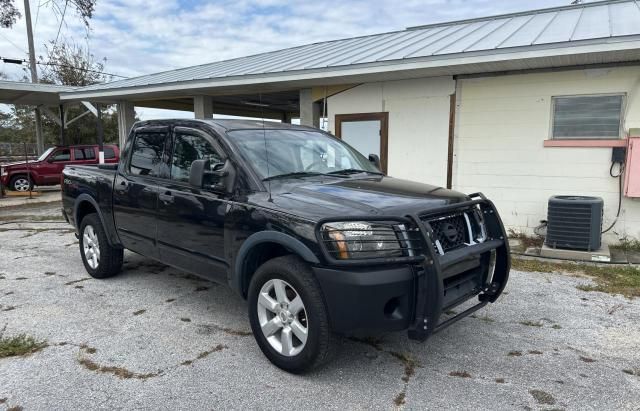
<point>14,92</point>
<point>591,33</point>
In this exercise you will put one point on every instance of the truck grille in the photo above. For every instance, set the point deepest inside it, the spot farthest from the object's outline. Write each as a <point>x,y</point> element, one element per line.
<point>450,231</point>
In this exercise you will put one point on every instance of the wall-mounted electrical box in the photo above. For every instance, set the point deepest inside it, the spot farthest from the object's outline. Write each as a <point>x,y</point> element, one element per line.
<point>632,168</point>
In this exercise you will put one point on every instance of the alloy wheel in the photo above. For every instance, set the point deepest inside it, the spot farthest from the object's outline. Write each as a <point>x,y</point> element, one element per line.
<point>283,317</point>
<point>91,247</point>
<point>21,184</point>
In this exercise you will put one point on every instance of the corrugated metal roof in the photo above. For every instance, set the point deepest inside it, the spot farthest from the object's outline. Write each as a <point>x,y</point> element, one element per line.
<point>595,22</point>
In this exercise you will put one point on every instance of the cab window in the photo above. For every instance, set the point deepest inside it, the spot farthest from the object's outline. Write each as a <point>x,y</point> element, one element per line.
<point>187,149</point>
<point>61,155</point>
<point>148,157</point>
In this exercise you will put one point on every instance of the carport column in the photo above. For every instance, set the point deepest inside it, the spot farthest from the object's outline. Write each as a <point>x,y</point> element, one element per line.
<point>126,118</point>
<point>309,112</point>
<point>203,107</point>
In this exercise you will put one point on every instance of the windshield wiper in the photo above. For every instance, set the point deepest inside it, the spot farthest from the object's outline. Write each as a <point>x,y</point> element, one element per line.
<point>355,171</point>
<point>293,175</point>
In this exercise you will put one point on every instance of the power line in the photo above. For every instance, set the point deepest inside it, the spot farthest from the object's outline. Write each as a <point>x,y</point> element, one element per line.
<point>12,43</point>
<point>64,12</point>
<point>23,61</point>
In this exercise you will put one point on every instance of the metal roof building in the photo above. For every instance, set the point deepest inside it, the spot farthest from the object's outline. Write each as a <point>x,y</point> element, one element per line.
<point>284,84</point>
<point>591,33</point>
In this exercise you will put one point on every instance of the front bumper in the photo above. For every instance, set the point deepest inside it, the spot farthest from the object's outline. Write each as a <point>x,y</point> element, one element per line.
<point>412,295</point>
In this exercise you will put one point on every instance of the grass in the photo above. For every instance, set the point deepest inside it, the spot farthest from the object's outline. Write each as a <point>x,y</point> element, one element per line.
<point>624,280</point>
<point>20,345</point>
<point>627,245</point>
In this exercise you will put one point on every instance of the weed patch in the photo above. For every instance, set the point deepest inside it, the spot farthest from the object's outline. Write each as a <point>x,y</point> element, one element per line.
<point>76,281</point>
<point>531,323</point>
<point>19,345</point>
<point>623,280</point>
<point>484,317</point>
<point>527,241</point>
<point>400,399</point>
<point>542,397</point>
<point>205,354</point>
<point>460,374</point>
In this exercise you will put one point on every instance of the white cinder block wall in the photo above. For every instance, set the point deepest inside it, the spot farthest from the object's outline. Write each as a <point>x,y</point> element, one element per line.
<point>418,123</point>
<point>502,125</point>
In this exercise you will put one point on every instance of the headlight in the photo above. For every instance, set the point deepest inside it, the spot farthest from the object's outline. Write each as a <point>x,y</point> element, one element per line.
<point>361,239</point>
<point>2,172</point>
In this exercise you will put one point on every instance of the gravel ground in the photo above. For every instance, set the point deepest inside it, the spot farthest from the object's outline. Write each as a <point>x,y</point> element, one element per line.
<point>157,338</point>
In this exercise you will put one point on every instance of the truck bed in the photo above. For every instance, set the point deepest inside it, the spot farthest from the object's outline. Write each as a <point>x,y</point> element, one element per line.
<point>94,182</point>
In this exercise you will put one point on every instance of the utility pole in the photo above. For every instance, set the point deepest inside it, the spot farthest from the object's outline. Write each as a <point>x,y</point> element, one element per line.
<point>34,75</point>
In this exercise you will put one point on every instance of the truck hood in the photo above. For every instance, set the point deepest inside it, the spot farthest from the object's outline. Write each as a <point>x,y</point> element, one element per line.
<point>316,198</point>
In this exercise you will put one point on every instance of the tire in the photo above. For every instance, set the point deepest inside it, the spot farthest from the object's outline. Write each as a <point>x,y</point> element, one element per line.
<point>298,282</point>
<point>20,183</point>
<point>100,259</point>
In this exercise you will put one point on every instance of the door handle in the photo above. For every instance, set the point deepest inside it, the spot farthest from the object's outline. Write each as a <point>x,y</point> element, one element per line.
<point>166,197</point>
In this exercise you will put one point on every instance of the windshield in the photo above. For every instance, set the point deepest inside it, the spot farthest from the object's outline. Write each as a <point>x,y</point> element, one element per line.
<point>297,152</point>
<point>45,154</point>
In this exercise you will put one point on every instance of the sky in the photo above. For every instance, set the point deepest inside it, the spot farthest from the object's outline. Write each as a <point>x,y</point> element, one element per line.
<point>140,37</point>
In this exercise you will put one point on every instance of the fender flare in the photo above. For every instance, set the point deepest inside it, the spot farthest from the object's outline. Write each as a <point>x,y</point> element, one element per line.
<point>87,198</point>
<point>269,236</point>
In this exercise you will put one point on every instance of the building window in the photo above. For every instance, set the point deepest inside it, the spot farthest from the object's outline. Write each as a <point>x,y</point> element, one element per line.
<point>587,117</point>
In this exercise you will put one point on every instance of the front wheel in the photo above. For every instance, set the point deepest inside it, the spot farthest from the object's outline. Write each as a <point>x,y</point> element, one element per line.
<point>20,183</point>
<point>100,259</point>
<point>288,315</point>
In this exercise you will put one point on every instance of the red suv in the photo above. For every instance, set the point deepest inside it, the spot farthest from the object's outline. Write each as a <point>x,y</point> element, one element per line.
<point>47,170</point>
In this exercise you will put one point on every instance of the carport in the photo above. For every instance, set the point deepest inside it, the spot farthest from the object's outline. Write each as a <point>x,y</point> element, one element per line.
<point>45,97</point>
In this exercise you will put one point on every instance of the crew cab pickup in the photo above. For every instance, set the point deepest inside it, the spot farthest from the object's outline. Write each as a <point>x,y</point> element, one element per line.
<point>47,169</point>
<point>298,223</point>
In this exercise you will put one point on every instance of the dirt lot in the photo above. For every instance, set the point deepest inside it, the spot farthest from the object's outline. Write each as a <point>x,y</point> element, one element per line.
<point>155,337</point>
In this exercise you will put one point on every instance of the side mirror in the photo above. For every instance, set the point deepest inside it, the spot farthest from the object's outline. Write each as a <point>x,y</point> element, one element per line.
<point>220,179</point>
<point>375,159</point>
<point>50,160</point>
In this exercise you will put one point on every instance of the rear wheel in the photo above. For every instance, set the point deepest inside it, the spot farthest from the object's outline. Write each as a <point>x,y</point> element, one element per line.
<point>20,183</point>
<point>100,259</point>
<point>288,315</point>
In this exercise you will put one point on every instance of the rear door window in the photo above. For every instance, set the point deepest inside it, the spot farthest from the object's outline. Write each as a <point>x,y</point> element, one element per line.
<point>149,157</point>
<point>84,154</point>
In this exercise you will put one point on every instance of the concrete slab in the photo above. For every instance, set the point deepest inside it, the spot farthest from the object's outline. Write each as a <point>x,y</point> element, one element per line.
<point>42,197</point>
<point>602,255</point>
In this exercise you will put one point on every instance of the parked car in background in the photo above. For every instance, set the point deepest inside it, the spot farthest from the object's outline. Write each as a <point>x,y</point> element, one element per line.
<point>47,169</point>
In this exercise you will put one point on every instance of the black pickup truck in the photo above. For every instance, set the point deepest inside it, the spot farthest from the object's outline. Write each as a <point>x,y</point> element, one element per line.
<point>301,225</point>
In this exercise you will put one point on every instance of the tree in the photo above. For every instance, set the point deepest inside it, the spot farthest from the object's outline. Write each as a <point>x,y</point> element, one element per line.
<point>71,65</point>
<point>9,14</point>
